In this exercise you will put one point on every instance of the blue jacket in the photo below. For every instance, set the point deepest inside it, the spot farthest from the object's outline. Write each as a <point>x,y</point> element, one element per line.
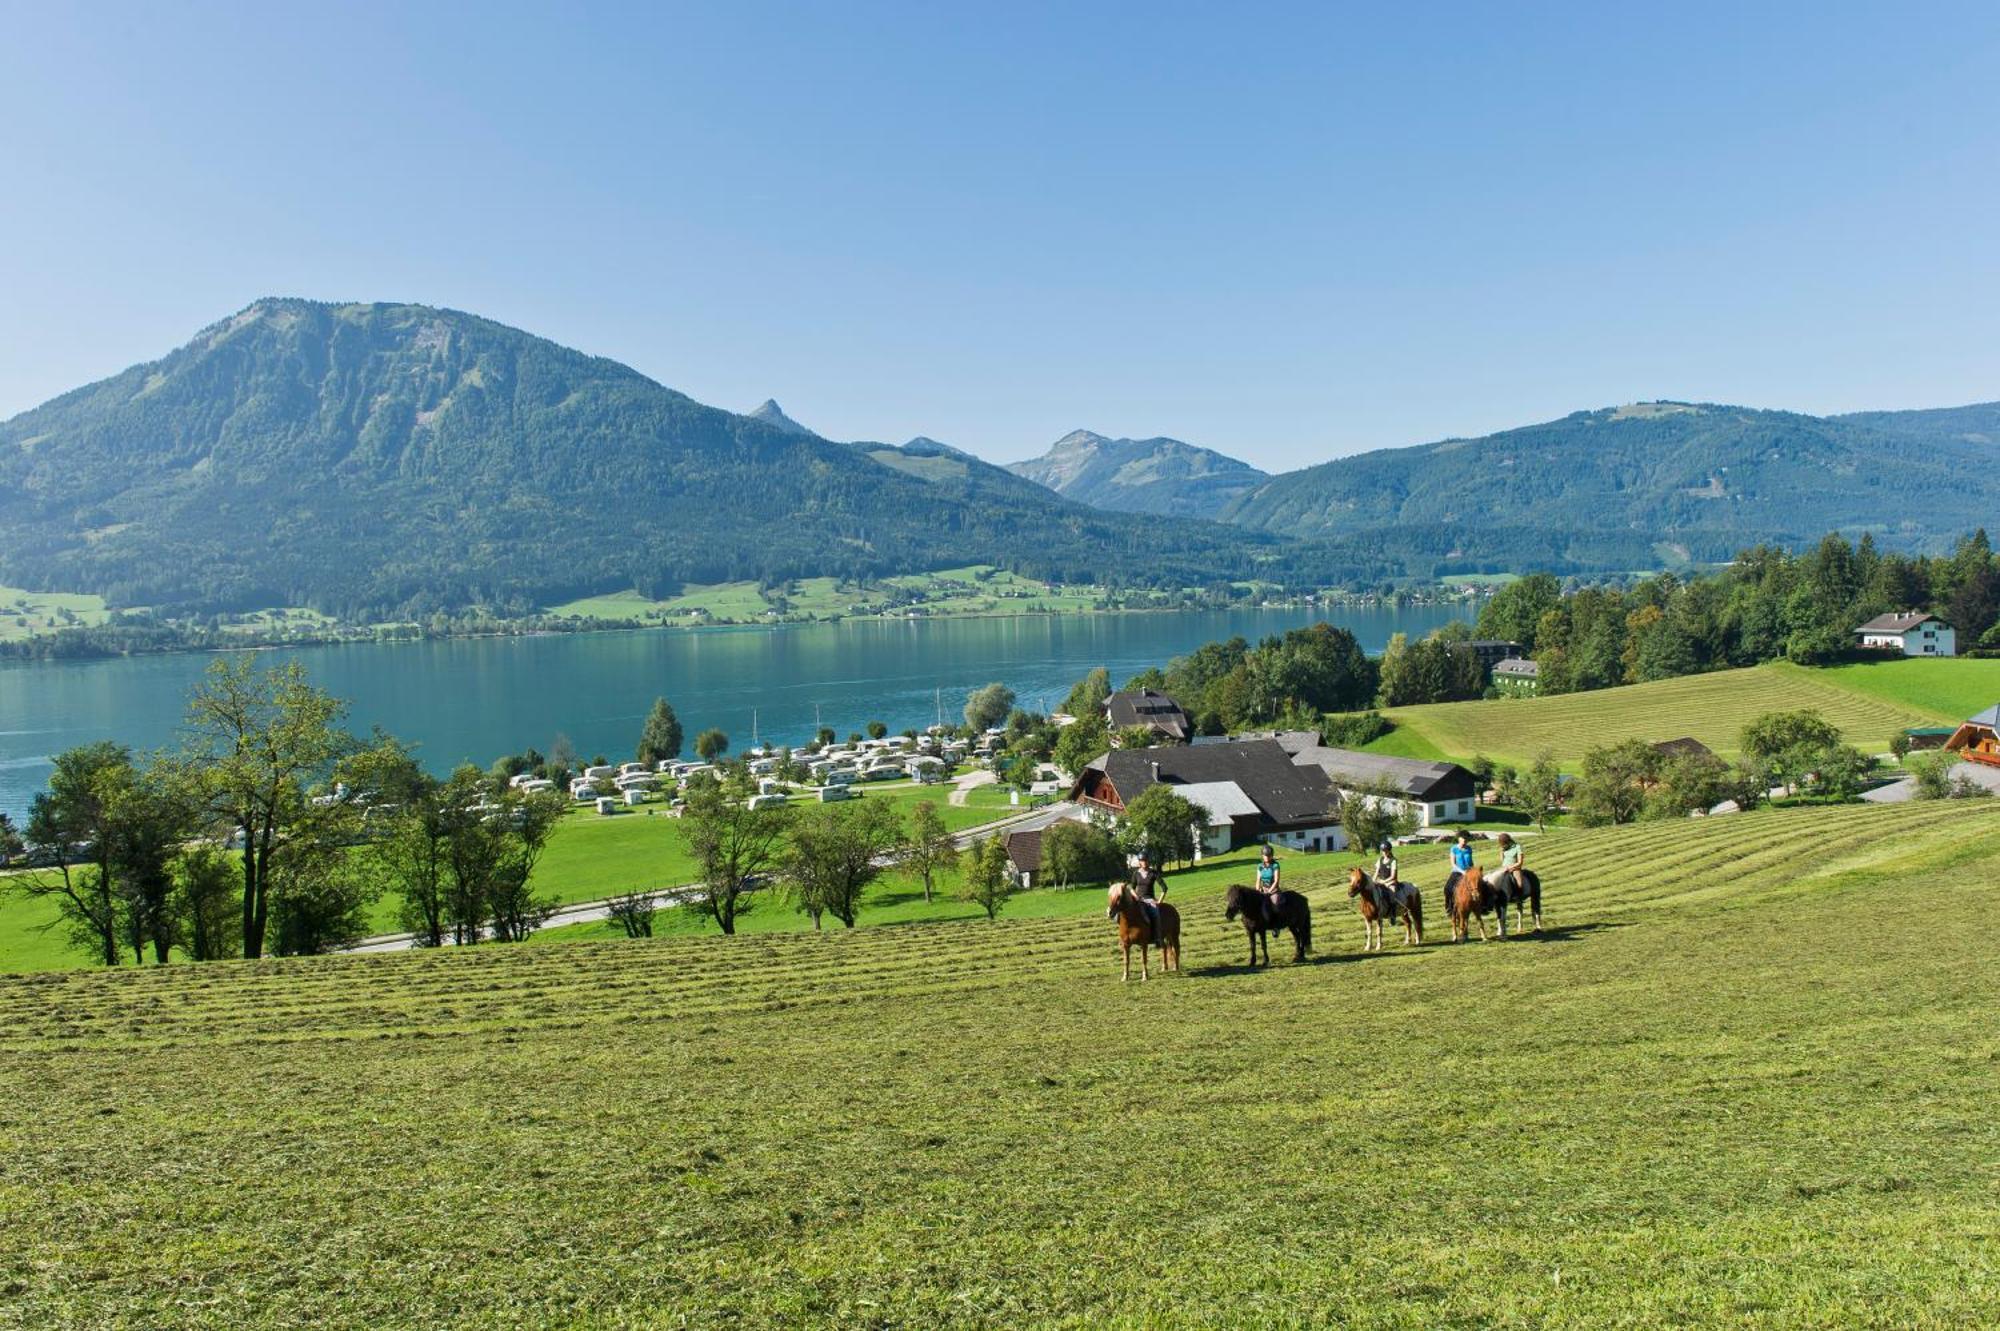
<point>1461,858</point>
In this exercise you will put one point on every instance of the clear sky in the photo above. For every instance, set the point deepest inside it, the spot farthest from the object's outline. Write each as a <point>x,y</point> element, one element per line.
<point>1286,232</point>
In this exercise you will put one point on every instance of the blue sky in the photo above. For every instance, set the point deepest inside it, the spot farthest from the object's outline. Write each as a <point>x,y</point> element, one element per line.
<point>1285,232</point>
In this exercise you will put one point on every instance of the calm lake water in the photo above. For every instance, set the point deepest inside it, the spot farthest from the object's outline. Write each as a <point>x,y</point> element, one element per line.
<point>475,699</point>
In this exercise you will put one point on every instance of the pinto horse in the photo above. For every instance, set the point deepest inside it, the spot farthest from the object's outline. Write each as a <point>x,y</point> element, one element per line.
<point>1135,926</point>
<point>1521,889</point>
<point>1261,919</point>
<point>1403,906</point>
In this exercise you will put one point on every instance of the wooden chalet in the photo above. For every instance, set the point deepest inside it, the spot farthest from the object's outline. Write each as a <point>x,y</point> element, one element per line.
<point>1977,739</point>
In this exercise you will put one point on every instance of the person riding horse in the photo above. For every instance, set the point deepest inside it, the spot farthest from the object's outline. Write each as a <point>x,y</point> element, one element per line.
<point>1461,864</point>
<point>1387,875</point>
<point>1268,875</point>
<point>1150,886</point>
<point>1508,877</point>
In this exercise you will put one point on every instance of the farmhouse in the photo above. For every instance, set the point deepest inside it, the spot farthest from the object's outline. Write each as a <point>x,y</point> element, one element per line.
<point>1978,739</point>
<point>1685,747</point>
<point>1252,789</point>
<point>1150,708</point>
<point>1024,854</point>
<point>1517,674</point>
<point>1430,792</point>
<point>1492,651</point>
<point>1909,634</point>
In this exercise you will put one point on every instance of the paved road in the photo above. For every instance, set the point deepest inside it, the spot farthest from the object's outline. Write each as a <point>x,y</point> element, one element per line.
<point>586,912</point>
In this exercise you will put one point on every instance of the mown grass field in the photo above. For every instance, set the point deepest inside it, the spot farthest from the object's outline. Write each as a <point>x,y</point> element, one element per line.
<point>1740,1080</point>
<point>1713,708</point>
<point>24,613</point>
<point>972,590</point>
<point>1945,691</point>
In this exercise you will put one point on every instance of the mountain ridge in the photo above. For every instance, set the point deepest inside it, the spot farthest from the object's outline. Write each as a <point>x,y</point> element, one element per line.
<point>1161,476</point>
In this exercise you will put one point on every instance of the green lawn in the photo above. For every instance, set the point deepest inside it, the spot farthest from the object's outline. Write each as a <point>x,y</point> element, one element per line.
<point>1728,1086</point>
<point>1712,708</point>
<point>1943,690</point>
<point>24,613</point>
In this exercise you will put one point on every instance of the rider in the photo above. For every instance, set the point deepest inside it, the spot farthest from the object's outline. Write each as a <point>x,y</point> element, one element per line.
<point>1461,864</point>
<point>1150,886</point>
<point>1510,864</point>
<point>1387,875</point>
<point>1267,879</point>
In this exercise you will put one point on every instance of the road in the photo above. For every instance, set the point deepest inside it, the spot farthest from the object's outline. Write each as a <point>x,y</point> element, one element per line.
<point>588,912</point>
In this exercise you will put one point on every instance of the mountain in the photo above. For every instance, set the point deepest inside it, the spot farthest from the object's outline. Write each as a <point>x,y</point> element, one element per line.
<point>398,459</point>
<point>774,416</point>
<point>1162,476</point>
<point>1659,481</point>
<point>1976,424</point>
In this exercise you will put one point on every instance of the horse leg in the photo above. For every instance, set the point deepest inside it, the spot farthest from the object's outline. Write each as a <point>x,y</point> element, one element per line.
<point>1128,962</point>
<point>1480,915</point>
<point>1535,898</point>
<point>1145,964</point>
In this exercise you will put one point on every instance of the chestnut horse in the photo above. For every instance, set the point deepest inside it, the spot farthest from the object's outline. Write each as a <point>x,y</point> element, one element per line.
<point>1261,919</point>
<point>1134,926</point>
<point>1403,906</point>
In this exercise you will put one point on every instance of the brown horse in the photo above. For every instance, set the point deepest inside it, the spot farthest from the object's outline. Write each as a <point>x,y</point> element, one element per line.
<point>1403,906</point>
<point>1134,926</point>
<point>1472,898</point>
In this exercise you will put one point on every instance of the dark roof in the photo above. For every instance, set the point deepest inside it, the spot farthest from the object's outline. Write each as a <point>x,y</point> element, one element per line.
<point>1024,849</point>
<point>1288,794</point>
<point>1427,781</point>
<point>1518,665</point>
<point>1146,707</point>
<point>1675,748</point>
<point>1893,623</point>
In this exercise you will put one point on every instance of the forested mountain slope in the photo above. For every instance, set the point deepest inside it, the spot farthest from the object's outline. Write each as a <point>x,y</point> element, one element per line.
<point>1701,481</point>
<point>371,459</point>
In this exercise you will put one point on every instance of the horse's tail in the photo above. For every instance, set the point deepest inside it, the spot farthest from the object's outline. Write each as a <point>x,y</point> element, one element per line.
<point>1305,925</point>
<point>1417,907</point>
<point>1533,881</point>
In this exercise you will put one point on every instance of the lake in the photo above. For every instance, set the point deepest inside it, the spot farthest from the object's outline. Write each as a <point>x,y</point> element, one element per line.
<point>474,699</point>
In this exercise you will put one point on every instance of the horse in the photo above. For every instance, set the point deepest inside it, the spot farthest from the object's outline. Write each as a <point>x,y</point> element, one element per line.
<point>1404,905</point>
<point>1475,895</point>
<point>1134,926</point>
<point>1260,919</point>
<point>1523,889</point>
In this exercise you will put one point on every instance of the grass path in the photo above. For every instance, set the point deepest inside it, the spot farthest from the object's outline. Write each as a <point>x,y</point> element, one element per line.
<point>1739,1081</point>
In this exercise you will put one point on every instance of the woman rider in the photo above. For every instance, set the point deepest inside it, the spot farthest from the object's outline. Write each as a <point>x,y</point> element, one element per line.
<point>1267,878</point>
<point>1461,864</point>
<point>1510,863</point>
<point>1150,886</point>
<point>1387,874</point>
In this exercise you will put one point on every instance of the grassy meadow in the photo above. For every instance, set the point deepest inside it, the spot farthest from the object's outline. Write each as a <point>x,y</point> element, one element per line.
<point>973,590</point>
<point>1741,1079</point>
<point>24,614</point>
<point>1870,703</point>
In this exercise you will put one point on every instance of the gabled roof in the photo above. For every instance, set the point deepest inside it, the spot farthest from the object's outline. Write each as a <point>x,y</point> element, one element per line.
<point>1893,623</point>
<point>1024,849</point>
<point>1989,718</point>
<point>1675,748</point>
<point>1224,800</point>
<point>1147,707</point>
<point>1428,781</point>
<point>1283,792</point>
<point>1518,665</point>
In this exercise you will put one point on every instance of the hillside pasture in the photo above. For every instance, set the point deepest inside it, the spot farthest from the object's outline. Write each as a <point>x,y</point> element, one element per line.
<point>1712,708</point>
<point>1944,690</point>
<point>1729,1085</point>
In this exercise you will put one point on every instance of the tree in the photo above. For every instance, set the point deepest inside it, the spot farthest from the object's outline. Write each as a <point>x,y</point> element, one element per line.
<point>10,839</point>
<point>1747,784</point>
<point>633,912</point>
<point>1374,813</point>
<point>877,729</point>
<point>837,851</point>
<point>928,849</point>
<point>1086,697</point>
<point>1935,776</point>
<point>1136,737</point>
<point>150,817</point>
<point>524,823</point>
<point>260,737</point>
<point>1540,789</point>
<point>207,912</point>
<point>1081,743</point>
<point>70,828</point>
<point>710,744</point>
<point>990,879</point>
<point>988,707</point>
<point>1164,824</point>
<point>1688,783</point>
<point>319,897</point>
<point>1611,785</point>
<point>1514,614</point>
<point>1791,745</point>
<point>660,740</point>
<point>733,845</point>
<point>1075,851</point>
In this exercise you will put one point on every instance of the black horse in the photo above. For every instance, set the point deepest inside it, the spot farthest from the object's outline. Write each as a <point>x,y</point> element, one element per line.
<point>1261,919</point>
<point>1521,889</point>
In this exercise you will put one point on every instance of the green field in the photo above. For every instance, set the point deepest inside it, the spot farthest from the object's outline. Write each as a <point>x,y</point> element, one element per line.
<point>973,590</point>
<point>1712,708</point>
<point>24,613</point>
<point>1720,1089</point>
<point>1945,691</point>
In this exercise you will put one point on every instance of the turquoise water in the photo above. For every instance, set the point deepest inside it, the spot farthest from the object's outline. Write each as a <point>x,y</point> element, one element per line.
<point>478,698</point>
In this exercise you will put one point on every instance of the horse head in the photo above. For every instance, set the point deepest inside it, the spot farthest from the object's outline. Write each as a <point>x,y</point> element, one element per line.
<point>1114,898</point>
<point>1357,881</point>
<point>1232,903</point>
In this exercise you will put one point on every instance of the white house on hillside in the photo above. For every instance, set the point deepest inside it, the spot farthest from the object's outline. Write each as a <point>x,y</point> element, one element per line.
<point>1911,634</point>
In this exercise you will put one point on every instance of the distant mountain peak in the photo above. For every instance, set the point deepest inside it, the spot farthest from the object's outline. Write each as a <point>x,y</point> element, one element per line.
<point>774,415</point>
<point>1160,475</point>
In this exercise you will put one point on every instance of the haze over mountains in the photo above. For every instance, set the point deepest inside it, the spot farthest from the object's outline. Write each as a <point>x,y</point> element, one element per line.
<point>393,459</point>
